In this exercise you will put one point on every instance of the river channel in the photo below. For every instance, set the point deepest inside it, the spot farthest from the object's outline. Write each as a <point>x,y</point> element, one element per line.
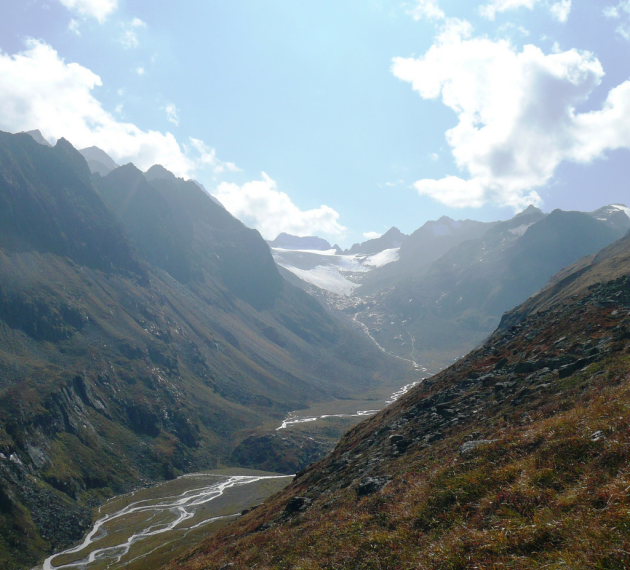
<point>143,529</point>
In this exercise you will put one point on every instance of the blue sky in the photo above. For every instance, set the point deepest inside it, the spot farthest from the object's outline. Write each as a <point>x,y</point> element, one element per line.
<point>337,118</point>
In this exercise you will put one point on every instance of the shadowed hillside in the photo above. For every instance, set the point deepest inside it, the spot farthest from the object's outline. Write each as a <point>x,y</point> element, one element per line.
<point>140,338</point>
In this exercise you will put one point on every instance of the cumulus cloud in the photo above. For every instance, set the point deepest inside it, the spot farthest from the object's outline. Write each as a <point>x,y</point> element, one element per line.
<point>129,38</point>
<point>260,204</point>
<point>98,9</point>
<point>517,116</point>
<point>372,235</point>
<point>621,12</point>
<point>172,114</point>
<point>559,9</point>
<point>427,10</point>
<point>74,26</point>
<point>207,156</point>
<point>39,90</point>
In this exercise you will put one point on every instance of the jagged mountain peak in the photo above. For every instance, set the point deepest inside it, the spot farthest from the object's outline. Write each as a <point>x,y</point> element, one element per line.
<point>158,172</point>
<point>37,136</point>
<point>531,209</point>
<point>392,238</point>
<point>616,216</point>
<point>98,160</point>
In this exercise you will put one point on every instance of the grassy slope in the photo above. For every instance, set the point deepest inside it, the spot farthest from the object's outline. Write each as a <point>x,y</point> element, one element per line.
<point>547,403</point>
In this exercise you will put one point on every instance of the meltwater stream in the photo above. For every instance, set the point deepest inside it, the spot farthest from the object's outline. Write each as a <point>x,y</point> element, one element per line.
<point>293,418</point>
<point>136,527</point>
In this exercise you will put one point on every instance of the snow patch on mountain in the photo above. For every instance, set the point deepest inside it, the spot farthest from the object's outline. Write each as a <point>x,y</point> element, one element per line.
<point>382,257</point>
<point>622,208</point>
<point>329,270</point>
<point>325,277</point>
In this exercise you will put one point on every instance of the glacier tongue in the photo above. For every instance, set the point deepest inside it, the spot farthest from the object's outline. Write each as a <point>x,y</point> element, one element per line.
<point>331,271</point>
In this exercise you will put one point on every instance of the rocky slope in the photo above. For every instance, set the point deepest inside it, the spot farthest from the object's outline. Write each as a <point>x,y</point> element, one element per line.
<point>516,456</point>
<point>144,333</point>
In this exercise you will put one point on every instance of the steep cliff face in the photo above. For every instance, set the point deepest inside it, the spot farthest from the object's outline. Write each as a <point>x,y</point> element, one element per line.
<point>515,456</point>
<point>138,340</point>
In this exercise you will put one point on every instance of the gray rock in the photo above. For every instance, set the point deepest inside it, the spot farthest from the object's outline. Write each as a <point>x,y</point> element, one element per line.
<point>297,504</point>
<point>470,446</point>
<point>370,485</point>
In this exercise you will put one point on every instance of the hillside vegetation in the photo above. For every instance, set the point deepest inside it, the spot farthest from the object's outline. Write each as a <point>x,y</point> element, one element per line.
<point>517,456</point>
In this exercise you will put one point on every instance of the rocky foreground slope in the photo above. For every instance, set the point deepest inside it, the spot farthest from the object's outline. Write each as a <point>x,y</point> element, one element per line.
<point>517,456</point>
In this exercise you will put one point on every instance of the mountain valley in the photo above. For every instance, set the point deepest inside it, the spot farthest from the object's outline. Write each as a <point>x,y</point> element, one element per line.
<point>516,456</point>
<point>147,334</point>
<point>443,289</point>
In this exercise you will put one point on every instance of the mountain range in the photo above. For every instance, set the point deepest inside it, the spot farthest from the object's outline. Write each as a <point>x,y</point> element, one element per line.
<point>516,456</point>
<point>145,333</point>
<point>443,289</point>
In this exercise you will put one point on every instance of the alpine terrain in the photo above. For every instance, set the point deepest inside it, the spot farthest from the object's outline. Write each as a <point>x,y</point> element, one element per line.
<point>144,333</point>
<point>516,456</point>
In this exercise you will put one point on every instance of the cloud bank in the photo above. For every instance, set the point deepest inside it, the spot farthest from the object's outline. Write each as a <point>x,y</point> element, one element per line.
<point>39,90</point>
<point>517,116</point>
<point>260,204</point>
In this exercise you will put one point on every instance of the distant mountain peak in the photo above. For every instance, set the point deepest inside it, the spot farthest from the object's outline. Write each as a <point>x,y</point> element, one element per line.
<point>614,215</point>
<point>394,232</point>
<point>157,172</point>
<point>392,238</point>
<point>531,209</point>
<point>289,241</point>
<point>37,136</point>
<point>98,160</point>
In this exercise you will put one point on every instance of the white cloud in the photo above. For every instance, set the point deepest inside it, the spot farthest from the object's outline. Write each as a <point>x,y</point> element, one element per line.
<point>39,90</point>
<point>372,235</point>
<point>495,7</point>
<point>172,114</point>
<point>427,10</point>
<point>559,9</point>
<point>98,9</point>
<point>260,204</point>
<point>617,10</point>
<point>516,116</point>
<point>74,26</point>
<point>621,12</point>
<point>207,156</point>
<point>140,70</point>
<point>129,38</point>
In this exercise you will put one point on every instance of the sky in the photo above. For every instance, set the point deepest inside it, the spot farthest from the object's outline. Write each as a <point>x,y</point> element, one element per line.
<point>337,118</point>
